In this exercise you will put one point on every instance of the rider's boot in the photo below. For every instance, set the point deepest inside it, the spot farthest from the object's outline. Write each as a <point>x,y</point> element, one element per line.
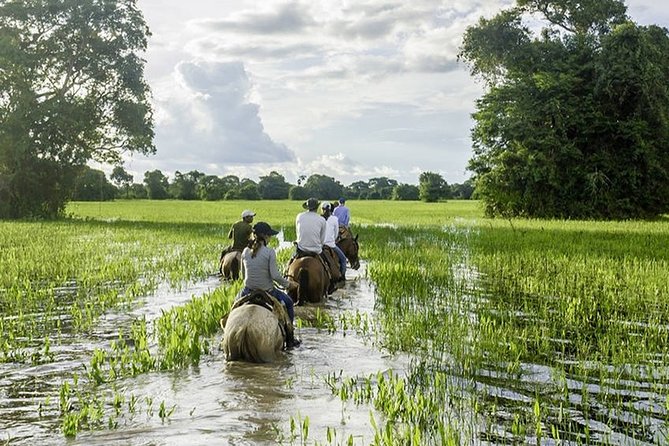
<point>291,340</point>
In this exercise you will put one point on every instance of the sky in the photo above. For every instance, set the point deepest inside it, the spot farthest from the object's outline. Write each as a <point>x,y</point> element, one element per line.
<point>352,89</point>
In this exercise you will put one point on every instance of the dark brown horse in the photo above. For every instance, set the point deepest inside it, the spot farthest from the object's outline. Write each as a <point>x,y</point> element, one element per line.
<point>231,265</point>
<point>349,246</point>
<point>312,278</point>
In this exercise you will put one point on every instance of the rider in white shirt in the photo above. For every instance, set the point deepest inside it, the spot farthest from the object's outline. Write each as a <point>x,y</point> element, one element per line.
<point>331,234</point>
<point>310,229</point>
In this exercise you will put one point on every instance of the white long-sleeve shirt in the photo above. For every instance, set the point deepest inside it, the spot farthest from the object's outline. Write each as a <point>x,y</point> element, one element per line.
<point>331,231</point>
<point>310,231</point>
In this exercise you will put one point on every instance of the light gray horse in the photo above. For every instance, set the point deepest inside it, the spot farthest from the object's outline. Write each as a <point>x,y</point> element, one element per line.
<point>255,329</point>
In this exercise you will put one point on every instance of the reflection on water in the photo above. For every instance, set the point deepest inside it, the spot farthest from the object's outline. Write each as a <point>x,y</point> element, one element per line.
<point>225,403</point>
<point>216,402</point>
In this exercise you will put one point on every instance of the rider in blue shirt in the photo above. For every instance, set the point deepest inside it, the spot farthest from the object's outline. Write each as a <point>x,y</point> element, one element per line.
<point>342,213</point>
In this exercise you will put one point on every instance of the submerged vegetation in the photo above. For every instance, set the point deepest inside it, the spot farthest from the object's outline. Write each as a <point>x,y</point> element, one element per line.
<point>522,331</point>
<point>519,331</point>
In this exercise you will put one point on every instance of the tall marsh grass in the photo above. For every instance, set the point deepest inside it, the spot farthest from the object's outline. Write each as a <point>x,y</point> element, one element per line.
<point>526,331</point>
<point>521,331</point>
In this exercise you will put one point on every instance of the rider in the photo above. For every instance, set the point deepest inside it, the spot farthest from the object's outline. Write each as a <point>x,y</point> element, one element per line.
<point>240,233</point>
<point>342,213</point>
<point>331,234</point>
<point>260,272</point>
<point>310,228</point>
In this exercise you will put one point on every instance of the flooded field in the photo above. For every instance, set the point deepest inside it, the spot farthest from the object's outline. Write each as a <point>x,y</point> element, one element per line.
<point>215,402</point>
<point>454,331</point>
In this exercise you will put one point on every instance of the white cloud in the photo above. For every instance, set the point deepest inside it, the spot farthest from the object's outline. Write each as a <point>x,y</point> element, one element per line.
<point>204,117</point>
<point>351,89</point>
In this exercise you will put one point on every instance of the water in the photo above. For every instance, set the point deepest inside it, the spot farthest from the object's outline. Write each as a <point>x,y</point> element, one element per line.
<point>215,402</point>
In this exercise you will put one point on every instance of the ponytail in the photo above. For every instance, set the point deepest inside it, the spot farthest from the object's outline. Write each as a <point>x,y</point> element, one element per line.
<point>258,241</point>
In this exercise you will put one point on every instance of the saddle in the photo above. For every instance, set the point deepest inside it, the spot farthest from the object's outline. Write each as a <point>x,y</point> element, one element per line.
<point>344,233</point>
<point>328,260</point>
<point>256,297</point>
<point>300,253</point>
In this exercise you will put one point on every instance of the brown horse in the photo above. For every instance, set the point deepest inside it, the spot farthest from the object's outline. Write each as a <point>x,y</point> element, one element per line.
<point>255,329</point>
<point>230,265</point>
<point>312,278</point>
<point>349,246</point>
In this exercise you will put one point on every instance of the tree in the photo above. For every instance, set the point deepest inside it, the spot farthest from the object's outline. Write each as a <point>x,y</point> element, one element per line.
<point>432,187</point>
<point>323,187</point>
<point>383,187</point>
<point>573,123</point>
<point>211,187</point>
<point>156,185</point>
<point>298,193</point>
<point>184,186</point>
<point>463,191</point>
<point>273,187</point>
<point>122,179</point>
<point>357,189</point>
<point>92,185</point>
<point>249,191</point>
<point>231,184</point>
<point>406,192</point>
<point>71,90</point>
<point>137,190</point>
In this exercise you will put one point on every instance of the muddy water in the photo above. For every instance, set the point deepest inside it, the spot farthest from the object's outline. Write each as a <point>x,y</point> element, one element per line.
<point>214,403</point>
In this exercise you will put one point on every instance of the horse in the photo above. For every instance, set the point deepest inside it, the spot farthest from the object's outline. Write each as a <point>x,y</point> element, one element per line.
<point>230,265</point>
<point>312,278</point>
<point>349,246</point>
<point>256,328</point>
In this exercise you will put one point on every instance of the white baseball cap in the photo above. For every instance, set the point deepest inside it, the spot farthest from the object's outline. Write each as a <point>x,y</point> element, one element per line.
<point>248,213</point>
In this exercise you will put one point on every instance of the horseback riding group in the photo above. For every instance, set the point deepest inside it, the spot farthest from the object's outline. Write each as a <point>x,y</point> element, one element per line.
<point>260,323</point>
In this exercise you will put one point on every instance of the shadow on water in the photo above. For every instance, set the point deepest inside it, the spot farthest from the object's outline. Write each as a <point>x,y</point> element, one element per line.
<point>215,402</point>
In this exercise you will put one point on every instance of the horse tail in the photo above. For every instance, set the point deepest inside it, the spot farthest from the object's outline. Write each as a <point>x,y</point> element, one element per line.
<point>248,347</point>
<point>243,345</point>
<point>234,268</point>
<point>303,289</point>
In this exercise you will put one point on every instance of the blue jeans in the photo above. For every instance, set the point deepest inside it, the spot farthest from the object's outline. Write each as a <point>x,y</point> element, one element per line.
<point>281,296</point>
<point>342,260</point>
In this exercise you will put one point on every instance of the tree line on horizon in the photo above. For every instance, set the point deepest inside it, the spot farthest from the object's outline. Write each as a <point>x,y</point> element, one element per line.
<point>93,185</point>
<point>573,122</point>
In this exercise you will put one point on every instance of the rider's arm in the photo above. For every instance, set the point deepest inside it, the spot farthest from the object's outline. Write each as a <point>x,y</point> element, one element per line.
<point>274,270</point>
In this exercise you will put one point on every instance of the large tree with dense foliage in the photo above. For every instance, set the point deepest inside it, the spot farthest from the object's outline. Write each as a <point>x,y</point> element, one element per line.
<point>432,187</point>
<point>122,179</point>
<point>298,193</point>
<point>357,189</point>
<point>383,187</point>
<point>210,188</point>
<point>248,190</point>
<point>72,89</point>
<point>273,187</point>
<point>575,120</point>
<point>92,185</point>
<point>323,187</point>
<point>185,185</point>
<point>156,184</point>
<point>406,192</point>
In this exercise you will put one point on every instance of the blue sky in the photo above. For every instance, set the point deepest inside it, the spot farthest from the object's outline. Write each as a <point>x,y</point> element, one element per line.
<point>351,89</point>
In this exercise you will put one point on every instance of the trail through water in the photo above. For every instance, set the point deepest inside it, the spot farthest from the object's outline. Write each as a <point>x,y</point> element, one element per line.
<point>215,402</point>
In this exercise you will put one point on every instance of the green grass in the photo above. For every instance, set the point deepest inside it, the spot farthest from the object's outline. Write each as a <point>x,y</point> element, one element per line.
<point>520,330</point>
